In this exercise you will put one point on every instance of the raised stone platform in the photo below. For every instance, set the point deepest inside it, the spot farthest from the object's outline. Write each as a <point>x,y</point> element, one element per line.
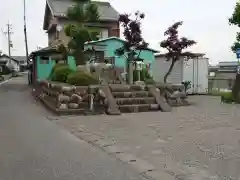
<point>112,99</point>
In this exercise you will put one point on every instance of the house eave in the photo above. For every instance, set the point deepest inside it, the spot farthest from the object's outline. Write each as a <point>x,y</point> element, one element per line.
<point>116,38</point>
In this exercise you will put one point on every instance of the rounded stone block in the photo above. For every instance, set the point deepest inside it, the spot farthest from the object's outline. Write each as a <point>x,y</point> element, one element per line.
<point>63,106</point>
<point>73,106</point>
<point>75,98</point>
<point>63,98</point>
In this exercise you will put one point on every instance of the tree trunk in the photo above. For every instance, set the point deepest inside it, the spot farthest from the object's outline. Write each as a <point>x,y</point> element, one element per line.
<point>79,57</point>
<point>169,71</point>
<point>130,68</point>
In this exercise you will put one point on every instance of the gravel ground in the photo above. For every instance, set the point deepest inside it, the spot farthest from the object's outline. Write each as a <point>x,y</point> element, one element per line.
<point>201,141</point>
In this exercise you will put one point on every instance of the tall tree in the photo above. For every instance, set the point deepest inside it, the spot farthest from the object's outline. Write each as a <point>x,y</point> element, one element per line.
<point>134,43</point>
<point>235,20</point>
<point>175,46</point>
<point>82,13</point>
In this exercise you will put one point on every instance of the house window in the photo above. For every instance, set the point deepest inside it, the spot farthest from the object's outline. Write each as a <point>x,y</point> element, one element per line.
<point>104,33</point>
<point>110,60</point>
<point>99,56</point>
<point>44,60</point>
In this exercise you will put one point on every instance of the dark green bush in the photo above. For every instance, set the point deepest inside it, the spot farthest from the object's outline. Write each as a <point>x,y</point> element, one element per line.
<point>236,89</point>
<point>56,66</point>
<point>81,79</point>
<point>61,73</point>
<point>227,97</point>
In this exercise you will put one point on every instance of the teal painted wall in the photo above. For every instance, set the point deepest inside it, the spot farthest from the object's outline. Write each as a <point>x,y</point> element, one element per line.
<point>113,44</point>
<point>44,70</point>
<point>72,63</point>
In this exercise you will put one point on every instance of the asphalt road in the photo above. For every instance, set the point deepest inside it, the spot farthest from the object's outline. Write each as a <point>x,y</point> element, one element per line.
<point>34,148</point>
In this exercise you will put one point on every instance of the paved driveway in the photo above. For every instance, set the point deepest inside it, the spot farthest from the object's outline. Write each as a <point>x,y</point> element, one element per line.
<point>196,142</point>
<point>34,148</point>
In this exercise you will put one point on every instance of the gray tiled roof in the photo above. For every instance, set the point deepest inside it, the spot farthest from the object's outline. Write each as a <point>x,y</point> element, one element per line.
<point>20,58</point>
<point>106,11</point>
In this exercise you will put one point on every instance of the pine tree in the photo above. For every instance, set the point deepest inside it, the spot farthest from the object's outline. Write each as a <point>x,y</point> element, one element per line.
<point>235,20</point>
<point>82,13</point>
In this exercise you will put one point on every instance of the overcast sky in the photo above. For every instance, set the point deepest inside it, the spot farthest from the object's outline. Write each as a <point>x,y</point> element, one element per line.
<point>205,21</point>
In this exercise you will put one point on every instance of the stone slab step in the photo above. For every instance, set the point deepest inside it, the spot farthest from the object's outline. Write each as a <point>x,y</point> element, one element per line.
<point>131,94</point>
<point>139,100</point>
<point>125,88</point>
<point>138,108</point>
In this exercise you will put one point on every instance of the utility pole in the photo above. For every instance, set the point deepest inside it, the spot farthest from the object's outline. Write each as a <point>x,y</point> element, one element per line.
<point>25,29</point>
<point>9,32</point>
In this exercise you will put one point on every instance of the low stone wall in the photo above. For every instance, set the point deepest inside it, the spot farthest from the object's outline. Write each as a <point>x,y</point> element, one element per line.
<point>67,99</point>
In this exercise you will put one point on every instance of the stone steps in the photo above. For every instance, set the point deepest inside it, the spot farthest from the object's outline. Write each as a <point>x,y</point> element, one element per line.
<point>133,99</point>
<point>133,108</point>
<point>139,100</point>
<point>131,94</point>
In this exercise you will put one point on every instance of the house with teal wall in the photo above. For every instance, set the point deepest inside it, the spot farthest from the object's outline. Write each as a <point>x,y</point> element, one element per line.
<point>109,45</point>
<point>44,61</point>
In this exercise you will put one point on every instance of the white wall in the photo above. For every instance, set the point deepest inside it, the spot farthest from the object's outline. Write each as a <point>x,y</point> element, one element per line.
<point>160,68</point>
<point>196,71</point>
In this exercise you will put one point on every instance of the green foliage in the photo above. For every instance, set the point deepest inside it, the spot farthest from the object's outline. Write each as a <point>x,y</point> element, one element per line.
<point>84,11</point>
<point>227,97</point>
<point>61,73</point>
<point>54,69</point>
<point>236,89</point>
<point>81,79</point>
<point>235,20</point>
<point>235,46</point>
<point>187,85</point>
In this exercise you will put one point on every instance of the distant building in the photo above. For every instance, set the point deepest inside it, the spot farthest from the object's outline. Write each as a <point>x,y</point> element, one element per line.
<point>8,62</point>
<point>222,76</point>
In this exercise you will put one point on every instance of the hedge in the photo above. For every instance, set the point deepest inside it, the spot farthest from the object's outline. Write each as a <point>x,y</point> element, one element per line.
<point>81,79</point>
<point>61,73</point>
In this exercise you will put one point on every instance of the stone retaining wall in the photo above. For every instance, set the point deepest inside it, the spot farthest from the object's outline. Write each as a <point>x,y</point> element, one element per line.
<point>67,99</point>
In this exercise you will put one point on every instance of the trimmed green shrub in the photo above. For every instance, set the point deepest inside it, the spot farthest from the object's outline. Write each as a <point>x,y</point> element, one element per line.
<point>54,69</point>
<point>227,97</point>
<point>150,81</point>
<point>61,73</point>
<point>236,89</point>
<point>81,79</point>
